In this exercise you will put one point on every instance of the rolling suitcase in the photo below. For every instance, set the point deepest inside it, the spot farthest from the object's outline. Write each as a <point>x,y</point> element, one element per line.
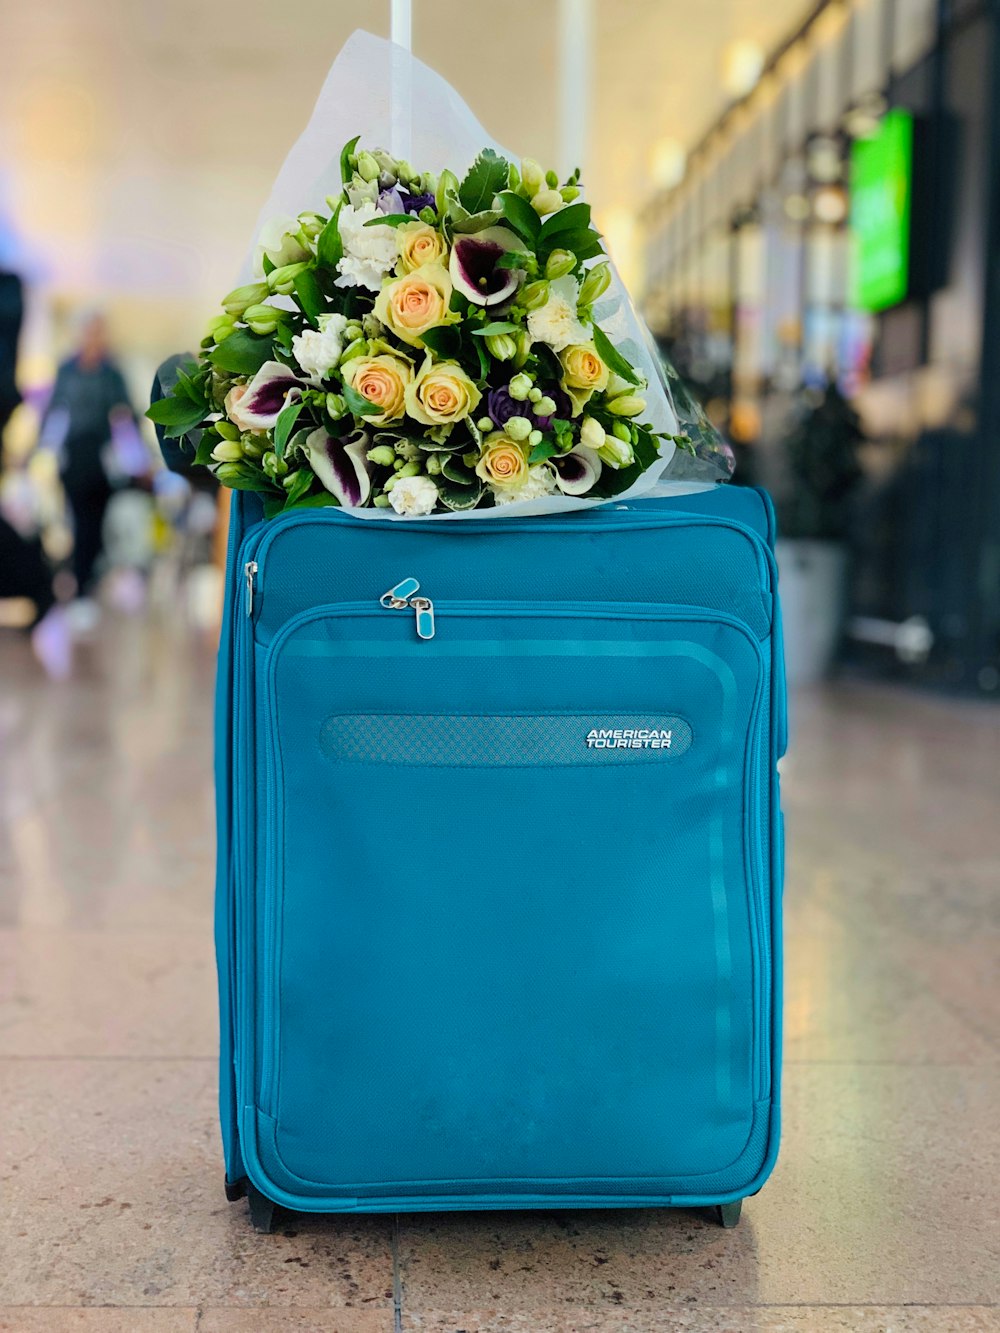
<point>500,858</point>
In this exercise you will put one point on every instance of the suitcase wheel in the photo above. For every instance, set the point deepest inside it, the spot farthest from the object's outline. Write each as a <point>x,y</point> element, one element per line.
<point>236,1189</point>
<point>263,1211</point>
<point>728,1214</point>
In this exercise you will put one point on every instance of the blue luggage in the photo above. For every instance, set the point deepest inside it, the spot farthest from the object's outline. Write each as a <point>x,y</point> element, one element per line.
<point>500,858</point>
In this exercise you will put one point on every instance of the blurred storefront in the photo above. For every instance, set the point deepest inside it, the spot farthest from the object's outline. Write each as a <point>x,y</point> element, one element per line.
<point>837,226</point>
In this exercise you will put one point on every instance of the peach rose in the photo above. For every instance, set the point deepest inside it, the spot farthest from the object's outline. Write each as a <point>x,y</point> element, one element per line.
<point>383,380</point>
<point>419,244</point>
<point>584,373</point>
<point>503,462</point>
<point>418,301</point>
<point>441,394</point>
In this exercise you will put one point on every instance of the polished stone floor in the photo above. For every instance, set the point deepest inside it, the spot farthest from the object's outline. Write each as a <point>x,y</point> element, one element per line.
<point>881,1215</point>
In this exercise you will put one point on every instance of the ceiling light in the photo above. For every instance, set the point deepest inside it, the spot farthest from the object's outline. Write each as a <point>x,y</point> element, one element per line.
<point>742,66</point>
<point>667,163</point>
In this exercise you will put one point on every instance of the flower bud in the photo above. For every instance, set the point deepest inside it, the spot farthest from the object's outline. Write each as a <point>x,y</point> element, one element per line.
<point>412,469</point>
<point>551,179</point>
<point>513,178</point>
<point>534,394</point>
<point>628,405</point>
<point>596,282</point>
<point>622,431</point>
<point>336,407</point>
<point>407,450</point>
<point>311,224</point>
<point>352,330</point>
<point>261,318</point>
<point>387,164</point>
<point>274,467</point>
<point>447,184</point>
<point>535,438</point>
<point>470,460</point>
<point>289,479</point>
<point>519,387</point>
<point>532,176</point>
<point>532,295</point>
<point>547,201</point>
<point>253,445</point>
<point>559,263</point>
<point>381,502</point>
<point>434,464</point>
<point>227,430</point>
<point>427,215</point>
<point>221,327</point>
<point>282,280</point>
<point>617,385</point>
<point>485,423</point>
<point>568,193</point>
<point>501,346</point>
<point>592,433</point>
<point>368,167</point>
<point>518,428</point>
<point>545,407</point>
<point>241,297</point>
<point>523,348</point>
<point>405,173</point>
<point>359,347</point>
<point>616,453</point>
<point>227,451</point>
<point>229,473</point>
<point>382,454</point>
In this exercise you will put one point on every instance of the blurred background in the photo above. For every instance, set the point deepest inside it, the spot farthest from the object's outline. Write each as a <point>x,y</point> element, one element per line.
<point>803,197</point>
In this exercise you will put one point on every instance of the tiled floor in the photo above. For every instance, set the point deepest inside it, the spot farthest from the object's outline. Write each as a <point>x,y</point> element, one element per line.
<point>881,1215</point>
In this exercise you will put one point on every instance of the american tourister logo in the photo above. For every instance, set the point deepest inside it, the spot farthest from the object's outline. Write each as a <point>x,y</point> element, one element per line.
<point>630,738</point>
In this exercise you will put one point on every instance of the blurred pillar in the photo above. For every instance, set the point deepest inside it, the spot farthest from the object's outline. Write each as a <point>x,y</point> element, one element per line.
<point>575,39</point>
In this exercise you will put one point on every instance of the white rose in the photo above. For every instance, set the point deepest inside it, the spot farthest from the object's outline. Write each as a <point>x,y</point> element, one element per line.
<point>369,252</point>
<point>281,240</point>
<point>413,496</point>
<point>556,322</point>
<point>318,350</point>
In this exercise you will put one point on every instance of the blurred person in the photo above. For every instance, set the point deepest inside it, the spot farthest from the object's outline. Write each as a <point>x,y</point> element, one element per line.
<point>88,403</point>
<point>24,571</point>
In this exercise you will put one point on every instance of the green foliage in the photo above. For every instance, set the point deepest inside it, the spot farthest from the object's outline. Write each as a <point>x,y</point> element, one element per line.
<point>521,216</point>
<point>242,353</point>
<point>611,356</point>
<point>484,181</point>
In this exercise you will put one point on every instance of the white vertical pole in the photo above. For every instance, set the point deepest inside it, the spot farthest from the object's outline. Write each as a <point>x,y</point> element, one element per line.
<point>400,87</point>
<point>575,40</point>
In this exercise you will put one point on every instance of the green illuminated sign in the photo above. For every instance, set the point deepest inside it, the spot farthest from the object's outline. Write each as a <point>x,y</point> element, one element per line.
<point>881,196</point>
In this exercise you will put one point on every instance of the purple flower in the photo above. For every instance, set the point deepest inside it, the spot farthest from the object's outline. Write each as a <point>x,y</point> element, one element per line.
<point>500,406</point>
<point>413,203</point>
<point>390,201</point>
<point>564,408</point>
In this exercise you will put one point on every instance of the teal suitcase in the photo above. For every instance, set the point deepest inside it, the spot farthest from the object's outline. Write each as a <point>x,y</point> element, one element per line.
<point>500,859</point>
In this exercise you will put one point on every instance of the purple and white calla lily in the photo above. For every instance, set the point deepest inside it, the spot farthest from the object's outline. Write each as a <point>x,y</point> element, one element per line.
<point>255,406</point>
<point>341,464</point>
<point>577,471</point>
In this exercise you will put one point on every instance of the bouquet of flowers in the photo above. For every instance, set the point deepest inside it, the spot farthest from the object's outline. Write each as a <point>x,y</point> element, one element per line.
<point>432,344</point>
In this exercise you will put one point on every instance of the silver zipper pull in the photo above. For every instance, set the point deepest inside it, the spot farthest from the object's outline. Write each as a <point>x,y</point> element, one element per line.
<point>424,608</point>
<point>399,597</point>
<point>250,571</point>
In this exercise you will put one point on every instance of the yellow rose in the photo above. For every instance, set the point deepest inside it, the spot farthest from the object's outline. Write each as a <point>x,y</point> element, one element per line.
<point>584,373</point>
<point>418,301</point>
<point>441,394</point>
<point>383,380</point>
<point>419,244</point>
<point>503,462</point>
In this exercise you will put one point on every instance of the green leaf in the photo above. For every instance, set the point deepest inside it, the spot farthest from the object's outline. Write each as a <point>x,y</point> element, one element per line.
<point>611,356</point>
<point>497,326</point>
<point>203,454</point>
<point>461,497</point>
<point>251,479</point>
<point>477,222</point>
<point>457,473</point>
<point>521,216</point>
<point>283,426</point>
<point>514,259</point>
<point>545,449</point>
<point>572,218</point>
<point>358,404</point>
<point>171,411</point>
<point>322,501</point>
<point>445,339</point>
<point>391,220</point>
<point>345,153</point>
<point>303,481</point>
<point>484,180</point>
<point>309,295</point>
<point>329,246</point>
<point>585,244</point>
<point>273,505</point>
<point>242,353</point>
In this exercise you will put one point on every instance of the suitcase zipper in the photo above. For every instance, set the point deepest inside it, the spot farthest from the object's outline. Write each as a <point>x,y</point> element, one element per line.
<point>250,573</point>
<point>402,597</point>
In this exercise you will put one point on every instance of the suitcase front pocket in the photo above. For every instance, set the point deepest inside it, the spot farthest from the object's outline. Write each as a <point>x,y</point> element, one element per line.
<point>510,930</point>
